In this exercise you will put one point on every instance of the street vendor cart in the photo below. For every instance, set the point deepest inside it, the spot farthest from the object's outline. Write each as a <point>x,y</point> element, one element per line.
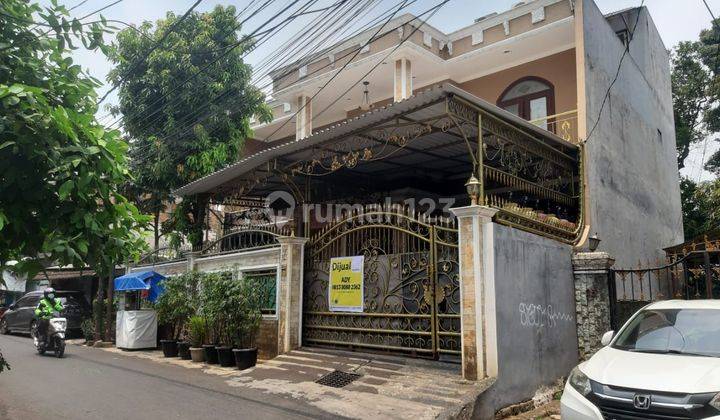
<point>136,326</point>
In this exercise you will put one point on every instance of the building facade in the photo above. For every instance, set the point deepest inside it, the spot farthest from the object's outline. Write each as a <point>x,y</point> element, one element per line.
<point>464,169</point>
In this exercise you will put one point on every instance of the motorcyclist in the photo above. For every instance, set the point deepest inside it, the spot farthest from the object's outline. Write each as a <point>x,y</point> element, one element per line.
<point>45,310</point>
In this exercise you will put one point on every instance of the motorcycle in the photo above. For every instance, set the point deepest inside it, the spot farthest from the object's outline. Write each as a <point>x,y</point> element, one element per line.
<point>55,340</point>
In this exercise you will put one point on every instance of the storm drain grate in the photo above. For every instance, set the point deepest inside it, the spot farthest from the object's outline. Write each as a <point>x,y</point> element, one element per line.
<point>337,379</point>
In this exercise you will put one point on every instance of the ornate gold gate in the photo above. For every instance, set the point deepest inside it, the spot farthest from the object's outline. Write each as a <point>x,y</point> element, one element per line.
<point>411,284</point>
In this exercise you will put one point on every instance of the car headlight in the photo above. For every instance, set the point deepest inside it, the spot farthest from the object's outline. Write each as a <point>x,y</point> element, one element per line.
<point>580,382</point>
<point>715,402</point>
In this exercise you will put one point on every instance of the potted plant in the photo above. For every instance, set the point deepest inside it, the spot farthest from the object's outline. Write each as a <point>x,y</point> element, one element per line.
<point>212,299</point>
<point>222,310</point>
<point>184,347</point>
<point>175,306</point>
<point>196,330</point>
<point>247,316</point>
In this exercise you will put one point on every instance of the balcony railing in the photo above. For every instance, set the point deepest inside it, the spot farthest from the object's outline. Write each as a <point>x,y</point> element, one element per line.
<point>563,124</point>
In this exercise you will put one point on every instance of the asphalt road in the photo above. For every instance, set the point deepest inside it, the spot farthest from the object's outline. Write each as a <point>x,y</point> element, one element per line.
<point>94,384</point>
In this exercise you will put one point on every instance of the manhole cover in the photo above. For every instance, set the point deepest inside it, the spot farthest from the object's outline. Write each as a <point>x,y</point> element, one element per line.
<point>337,379</point>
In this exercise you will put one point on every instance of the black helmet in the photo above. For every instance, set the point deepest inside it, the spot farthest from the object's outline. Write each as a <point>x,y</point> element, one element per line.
<point>49,293</point>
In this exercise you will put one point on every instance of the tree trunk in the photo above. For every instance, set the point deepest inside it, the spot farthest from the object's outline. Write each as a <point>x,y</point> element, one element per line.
<point>99,308</point>
<point>109,309</point>
<point>199,211</point>
<point>157,228</point>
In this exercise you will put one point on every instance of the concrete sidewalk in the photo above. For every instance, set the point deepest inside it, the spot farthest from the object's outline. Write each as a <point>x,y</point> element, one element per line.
<point>389,387</point>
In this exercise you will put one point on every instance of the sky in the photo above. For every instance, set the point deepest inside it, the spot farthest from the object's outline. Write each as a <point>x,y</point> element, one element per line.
<point>677,20</point>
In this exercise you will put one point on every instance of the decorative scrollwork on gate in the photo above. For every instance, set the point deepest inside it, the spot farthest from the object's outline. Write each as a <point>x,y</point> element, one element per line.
<point>411,283</point>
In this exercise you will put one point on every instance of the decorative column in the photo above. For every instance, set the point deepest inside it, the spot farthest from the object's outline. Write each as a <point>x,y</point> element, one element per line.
<point>403,79</point>
<point>191,257</point>
<point>477,291</point>
<point>303,120</point>
<point>290,291</point>
<point>592,299</point>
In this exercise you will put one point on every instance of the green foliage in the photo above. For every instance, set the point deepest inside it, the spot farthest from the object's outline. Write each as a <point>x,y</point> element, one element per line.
<point>215,288</point>
<point>59,169</point>
<point>88,329</point>
<point>232,307</point>
<point>197,327</point>
<point>691,97</point>
<point>197,127</point>
<point>246,301</point>
<point>701,206</point>
<point>179,301</point>
<point>696,105</point>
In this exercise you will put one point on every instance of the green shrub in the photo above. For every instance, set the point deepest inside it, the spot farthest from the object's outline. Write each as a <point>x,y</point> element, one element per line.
<point>88,329</point>
<point>178,302</point>
<point>197,328</point>
<point>232,309</point>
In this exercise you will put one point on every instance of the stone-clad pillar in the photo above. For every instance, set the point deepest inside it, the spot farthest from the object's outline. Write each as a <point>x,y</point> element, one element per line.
<point>290,290</point>
<point>592,299</point>
<point>477,291</point>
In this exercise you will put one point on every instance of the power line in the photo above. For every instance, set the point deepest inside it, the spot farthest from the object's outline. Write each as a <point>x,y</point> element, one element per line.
<point>348,63</point>
<point>714,23</point>
<point>434,10</point>
<point>244,39</point>
<point>221,95</point>
<point>715,72</point>
<point>93,12</point>
<point>286,46</point>
<point>206,52</point>
<point>631,36</point>
<point>406,3</point>
<point>80,19</point>
<point>162,39</point>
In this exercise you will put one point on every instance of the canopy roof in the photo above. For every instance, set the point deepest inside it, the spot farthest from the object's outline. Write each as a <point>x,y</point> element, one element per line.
<point>423,106</point>
<point>141,280</point>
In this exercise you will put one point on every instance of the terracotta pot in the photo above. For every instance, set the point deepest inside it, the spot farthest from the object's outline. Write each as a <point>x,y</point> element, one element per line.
<point>197,354</point>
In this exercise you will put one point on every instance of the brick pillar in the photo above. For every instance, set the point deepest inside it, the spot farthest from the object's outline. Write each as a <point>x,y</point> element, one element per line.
<point>290,293</point>
<point>477,291</point>
<point>592,299</point>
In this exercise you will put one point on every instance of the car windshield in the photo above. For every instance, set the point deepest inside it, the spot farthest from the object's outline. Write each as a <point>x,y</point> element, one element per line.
<point>693,332</point>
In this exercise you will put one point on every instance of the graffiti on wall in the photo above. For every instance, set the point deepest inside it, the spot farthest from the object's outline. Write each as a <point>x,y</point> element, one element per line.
<point>534,315</point>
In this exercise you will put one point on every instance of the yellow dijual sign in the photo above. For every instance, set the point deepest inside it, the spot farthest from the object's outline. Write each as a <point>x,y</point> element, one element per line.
<point>345,292</point>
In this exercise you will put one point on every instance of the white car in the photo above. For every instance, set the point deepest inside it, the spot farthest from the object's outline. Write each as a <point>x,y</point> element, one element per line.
<point>663,364</point>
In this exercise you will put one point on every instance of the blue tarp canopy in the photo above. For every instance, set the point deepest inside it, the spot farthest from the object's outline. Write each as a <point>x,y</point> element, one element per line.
<point>141,280</point>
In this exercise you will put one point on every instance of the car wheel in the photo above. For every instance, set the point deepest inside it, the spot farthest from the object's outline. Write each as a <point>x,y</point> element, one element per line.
<point>3,327</point>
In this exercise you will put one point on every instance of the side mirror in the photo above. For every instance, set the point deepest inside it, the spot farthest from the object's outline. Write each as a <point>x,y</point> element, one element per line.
<point>607,338</point>
<point>12,306</point>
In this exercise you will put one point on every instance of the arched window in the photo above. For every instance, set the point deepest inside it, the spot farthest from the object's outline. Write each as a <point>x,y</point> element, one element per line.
<point>531,98</point>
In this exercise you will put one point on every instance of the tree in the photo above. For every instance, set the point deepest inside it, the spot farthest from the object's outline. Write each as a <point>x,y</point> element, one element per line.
<point>60,170</point>
<point>696,104</point>
<point>691,101</point>
<point>186,103</point>
<point>700,206</point>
